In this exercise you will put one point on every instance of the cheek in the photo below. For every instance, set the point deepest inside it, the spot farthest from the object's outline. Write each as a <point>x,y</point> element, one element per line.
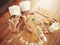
<point>16,20</point>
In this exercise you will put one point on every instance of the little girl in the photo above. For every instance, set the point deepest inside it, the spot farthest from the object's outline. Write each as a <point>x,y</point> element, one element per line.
<point>14,19</point>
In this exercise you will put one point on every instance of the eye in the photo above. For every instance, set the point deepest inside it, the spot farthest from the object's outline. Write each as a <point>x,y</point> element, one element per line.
<point>13,16</point>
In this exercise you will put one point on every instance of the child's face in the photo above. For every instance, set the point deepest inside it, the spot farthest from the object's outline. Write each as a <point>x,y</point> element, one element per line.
<point>15,19</point>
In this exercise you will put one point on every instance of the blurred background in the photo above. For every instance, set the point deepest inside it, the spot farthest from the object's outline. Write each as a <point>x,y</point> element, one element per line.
<point>49,8</point>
